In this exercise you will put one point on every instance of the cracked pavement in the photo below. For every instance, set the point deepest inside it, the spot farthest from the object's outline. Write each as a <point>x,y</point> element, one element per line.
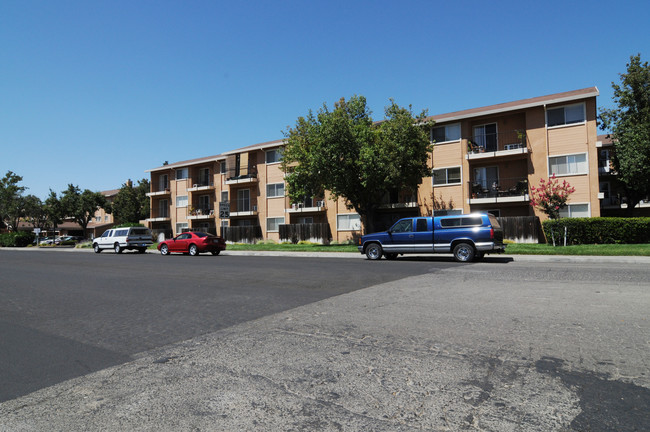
<point>453,350</point>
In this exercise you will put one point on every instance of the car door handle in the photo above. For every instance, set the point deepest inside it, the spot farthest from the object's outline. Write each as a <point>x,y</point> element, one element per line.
<point>411,236</point>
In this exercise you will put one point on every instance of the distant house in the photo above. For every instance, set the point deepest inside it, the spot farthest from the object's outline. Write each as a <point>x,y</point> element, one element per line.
<point>101,220</point>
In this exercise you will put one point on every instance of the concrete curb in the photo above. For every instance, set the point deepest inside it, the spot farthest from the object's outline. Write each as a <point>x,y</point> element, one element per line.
<point>352,255</point>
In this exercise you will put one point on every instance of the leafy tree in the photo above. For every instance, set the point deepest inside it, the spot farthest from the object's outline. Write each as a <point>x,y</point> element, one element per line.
<point>131,203</point>
<point>35,211</point>
<point>53,209</point>
<point>11,200</point>
<point>551,196</point>
<point>81,205</point>
<point>629,124</point>
<point>345,152</point>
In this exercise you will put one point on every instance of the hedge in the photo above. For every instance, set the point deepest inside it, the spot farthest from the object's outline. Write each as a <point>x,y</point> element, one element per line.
<point>16,239</point>
<point>597,230</point>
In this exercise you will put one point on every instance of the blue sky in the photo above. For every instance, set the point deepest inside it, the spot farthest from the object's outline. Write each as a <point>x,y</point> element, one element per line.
<point>96,92</point>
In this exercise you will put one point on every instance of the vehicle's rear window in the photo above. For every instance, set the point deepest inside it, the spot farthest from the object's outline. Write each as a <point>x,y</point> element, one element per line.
<point>494,221</point>
<point>462,221</point>
<point>200,234</point>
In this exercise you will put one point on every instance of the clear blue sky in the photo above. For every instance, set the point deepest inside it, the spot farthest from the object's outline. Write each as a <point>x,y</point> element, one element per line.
<point>96,92</point>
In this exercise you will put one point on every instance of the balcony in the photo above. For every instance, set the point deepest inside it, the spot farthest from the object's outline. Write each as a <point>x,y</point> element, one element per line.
<point>502,190</point>
<point>243,207</point>
<point>497,144</point>
<point>201,186</point>
<point>201,213</point>
<point>159,215</point>
<point>158,193</point>
<point>308,205</point>
<point>241,175</point>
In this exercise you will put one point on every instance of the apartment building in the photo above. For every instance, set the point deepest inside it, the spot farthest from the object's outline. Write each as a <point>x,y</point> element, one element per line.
<point>484,159</point>
<point>101,221</point>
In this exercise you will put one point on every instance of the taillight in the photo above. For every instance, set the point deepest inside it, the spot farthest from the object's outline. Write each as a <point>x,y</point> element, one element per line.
<point>491,233</point>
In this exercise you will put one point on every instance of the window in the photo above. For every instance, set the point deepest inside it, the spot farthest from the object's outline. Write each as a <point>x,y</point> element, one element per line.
<point>163,182</point>
<point>275,190</point>
<point>273,224</point>
<point>348,222</point>
<point>485,136</point>
<point>180,227</point>
<point>98,218</point>
<point>163,208</point>
<point>402,226</point>
<point>445,176</point>
<point>181,201</point>
<point>243,200</point>
<point>106,218</point>
<point>421,225</point>
<point>568,165</point>
<point>273,156</point>
<point>462,222</point>
<point>224,196</point>
<point>305,220</point>
<point>575,210</point>
<point>486,177</point>
<point>204,176</point>
<point>181,173</point>
<point>565,115</point>
<point>204,204</point>
<point>446,133</point>
<point>222,168</point>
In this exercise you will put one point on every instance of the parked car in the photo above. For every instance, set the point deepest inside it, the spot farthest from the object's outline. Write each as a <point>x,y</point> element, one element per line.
<point>469,237</point>
<point>193,243</point>
<point>120,239</point>
<point>68,240</point>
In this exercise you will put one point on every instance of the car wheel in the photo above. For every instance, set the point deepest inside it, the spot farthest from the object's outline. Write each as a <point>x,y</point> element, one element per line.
<point>164,250</point>
<point>194,251</point>
<point>96,248</point>
<point>463,252</point>
<point>118,248</point>
<point>390,256</point>
<point>215,253</point>
<point>373,251</point>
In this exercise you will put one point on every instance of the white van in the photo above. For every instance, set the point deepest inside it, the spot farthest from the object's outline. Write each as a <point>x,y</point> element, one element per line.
<point>119,239</point>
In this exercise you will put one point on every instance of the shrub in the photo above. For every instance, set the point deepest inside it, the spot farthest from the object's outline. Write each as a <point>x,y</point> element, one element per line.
<point>597,230</point>
<point>16,239</point>
<point>128,225</point>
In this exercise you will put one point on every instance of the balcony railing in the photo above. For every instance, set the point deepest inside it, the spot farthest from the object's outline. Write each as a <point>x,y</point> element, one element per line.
<point>498,188</point>
<point>162,213</point>
<point>243,173</point>
<point>495,142</point>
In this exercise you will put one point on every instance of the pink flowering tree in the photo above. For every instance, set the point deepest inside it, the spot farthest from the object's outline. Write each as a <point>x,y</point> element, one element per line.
<point>551,196</point>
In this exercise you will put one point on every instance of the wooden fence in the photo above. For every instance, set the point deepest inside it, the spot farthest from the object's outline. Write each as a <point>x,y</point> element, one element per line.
<point>315,233</point>
<point>522,229</point>
<point>242,234</point>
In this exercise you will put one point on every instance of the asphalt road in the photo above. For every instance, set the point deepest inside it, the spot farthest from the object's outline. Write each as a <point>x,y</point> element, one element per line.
<point>329,344</point>
<point>64,315</point>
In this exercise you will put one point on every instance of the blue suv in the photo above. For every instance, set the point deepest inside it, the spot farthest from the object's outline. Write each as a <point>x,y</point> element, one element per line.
<point>469,237</point>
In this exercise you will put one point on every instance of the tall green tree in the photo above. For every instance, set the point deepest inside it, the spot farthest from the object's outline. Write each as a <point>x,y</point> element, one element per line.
<point>131,203</point>
<point>35,211</point>
<point>11,200</point>
<point>345,152</point>
<point>81,205</point>
<point>629,124</point>
<point>54,209</point>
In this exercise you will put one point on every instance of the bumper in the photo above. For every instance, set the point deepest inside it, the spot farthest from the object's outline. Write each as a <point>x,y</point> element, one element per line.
<point>490,247</point>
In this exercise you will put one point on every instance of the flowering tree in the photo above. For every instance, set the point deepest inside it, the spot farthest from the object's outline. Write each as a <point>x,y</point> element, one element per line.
<point>551,196</point>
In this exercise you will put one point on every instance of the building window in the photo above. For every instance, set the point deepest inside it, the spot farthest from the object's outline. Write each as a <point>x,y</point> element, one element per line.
<point>163,208</point>
<point>204,204</point>
<point>275,190</point>
<point>575,211</point>
<point>485,137</point>
<point>305,220</point>
<point>222,167</point>
<point>568,165</point>
<point>163,182</point>
<point>273,224</point>
<point>273,156</point>
<point>446,176</point>
<point>348,222</point>
<point>446,133</point>
<point>181,173</point>
<point>181,227</point>
<point>106,218</point>
<point>98,218</point>
<point>181,201</point>
<point>565,115</point>
<point>204,176</point>
<point>224,196</point>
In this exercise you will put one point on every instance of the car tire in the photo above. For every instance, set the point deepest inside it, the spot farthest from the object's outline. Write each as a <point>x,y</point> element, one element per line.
<point>464,252</point>
<point>215,253</point>
<point>390,256</point>
<point>96,248</point>
<point>117,248</point>
<point>373,251</point>
<point>193,250</point>
<point>164,250</point>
